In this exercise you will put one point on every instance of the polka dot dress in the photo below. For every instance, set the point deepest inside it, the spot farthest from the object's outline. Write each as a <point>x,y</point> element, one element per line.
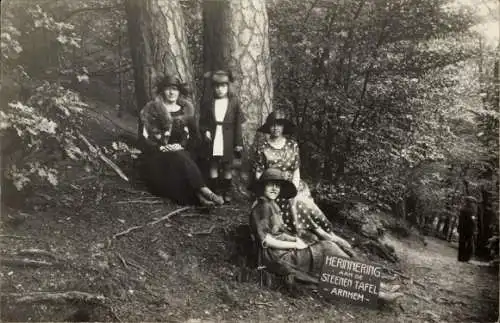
<point>287,160</point>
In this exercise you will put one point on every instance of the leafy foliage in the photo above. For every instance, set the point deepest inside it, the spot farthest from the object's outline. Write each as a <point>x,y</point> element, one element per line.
<point>40,115</point>
<point>379,90</point>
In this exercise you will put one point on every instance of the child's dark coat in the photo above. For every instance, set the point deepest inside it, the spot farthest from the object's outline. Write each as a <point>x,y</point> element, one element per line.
<point>231,127</point>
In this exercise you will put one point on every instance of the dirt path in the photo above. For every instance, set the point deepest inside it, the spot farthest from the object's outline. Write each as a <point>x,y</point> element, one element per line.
<point>454,291</point>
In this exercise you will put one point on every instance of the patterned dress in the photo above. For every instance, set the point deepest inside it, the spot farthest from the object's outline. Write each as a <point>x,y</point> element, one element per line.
<point>304,264</point>
<point>300,214</point>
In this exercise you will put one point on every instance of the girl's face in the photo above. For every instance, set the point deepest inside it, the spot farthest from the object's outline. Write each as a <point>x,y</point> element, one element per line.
<point>221,90</point>
<point>272,190</point>
<point>171,94</point>
<point>277,130</point>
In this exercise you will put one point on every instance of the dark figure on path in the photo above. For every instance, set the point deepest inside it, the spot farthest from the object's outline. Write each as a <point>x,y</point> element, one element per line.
<point>466,229</point>
<point>169,130</point>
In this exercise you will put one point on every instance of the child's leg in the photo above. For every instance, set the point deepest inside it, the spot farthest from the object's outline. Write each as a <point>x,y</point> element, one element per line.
<point>213,175</point>
<point>226,184</point>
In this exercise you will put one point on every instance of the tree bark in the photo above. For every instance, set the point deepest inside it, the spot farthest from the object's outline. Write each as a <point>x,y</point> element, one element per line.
<point>158,44</point>
<point>236,38</point>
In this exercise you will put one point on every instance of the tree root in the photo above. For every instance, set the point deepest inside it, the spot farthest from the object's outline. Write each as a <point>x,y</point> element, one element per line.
<point>55,297</point>
<point>380,250</point>
<point>163,218</point>
<point>37,252</point>
<point>140,202</point>
<point>137,227</point>
<point>25,262</point>
<point>209,231</point>
<point>169,215</point>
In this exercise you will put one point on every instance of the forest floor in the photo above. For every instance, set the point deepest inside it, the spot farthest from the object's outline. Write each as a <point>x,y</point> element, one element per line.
<point>184,269</point>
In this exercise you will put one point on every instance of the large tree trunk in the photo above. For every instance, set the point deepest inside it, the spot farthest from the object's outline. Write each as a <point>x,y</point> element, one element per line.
<point>236,37</point>
<point>158,44</point>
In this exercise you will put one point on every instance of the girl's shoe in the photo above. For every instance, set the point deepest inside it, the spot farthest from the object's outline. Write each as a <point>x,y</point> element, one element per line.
<point>389,288</point>
<point>389,297</point>
<point>204,201</point>
<point>215,198</point>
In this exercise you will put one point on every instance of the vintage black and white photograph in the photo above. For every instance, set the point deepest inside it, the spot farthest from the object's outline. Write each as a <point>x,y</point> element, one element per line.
<point>249,161</point>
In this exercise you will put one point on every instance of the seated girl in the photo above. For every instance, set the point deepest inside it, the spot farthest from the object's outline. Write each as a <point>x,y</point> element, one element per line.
<point>279,150</point>
<point>283,252</point>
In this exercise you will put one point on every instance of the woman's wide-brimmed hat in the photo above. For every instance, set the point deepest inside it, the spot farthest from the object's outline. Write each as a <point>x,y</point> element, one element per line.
<point>220,77</point>
<point>288,189</point>
<point>170,80</point>
<point>277,116</point>
<point>471,199</point>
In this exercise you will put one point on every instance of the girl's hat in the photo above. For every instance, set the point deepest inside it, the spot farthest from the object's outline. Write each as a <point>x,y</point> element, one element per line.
<point>277,116</point>
<point>220,77</point>
<point>470,199</point>
<point>170,80</point>
<point>288,189</point>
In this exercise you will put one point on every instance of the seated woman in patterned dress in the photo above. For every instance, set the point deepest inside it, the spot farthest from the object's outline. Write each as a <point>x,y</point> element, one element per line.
<point>169,129</point>
<point>300,214</point>
<point>284,252</point>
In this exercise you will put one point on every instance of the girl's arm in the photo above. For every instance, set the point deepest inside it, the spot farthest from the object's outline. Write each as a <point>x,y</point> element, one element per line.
<point>259,164</point>
<point>332,237</point>
<point>296,177</point>
<point>272,242</point>
<point>204,121</point>
<point>296,165</point>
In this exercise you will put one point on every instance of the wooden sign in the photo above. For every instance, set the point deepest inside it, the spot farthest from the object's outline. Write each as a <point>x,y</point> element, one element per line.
<point>349,280</point>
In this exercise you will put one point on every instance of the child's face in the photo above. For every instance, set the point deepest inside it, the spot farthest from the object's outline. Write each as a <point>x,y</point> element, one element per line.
<point>221,90</point>
<point>171,94</point>
<point>272,190</point>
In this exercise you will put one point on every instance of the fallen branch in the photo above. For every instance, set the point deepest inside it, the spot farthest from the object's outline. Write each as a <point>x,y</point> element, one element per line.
<point>408,278</point>
<point>105,159</point>
<point>421,298</point>
<point>400,274</point>
<point>139,201</point>
<point>122,260</point>
<point>263,304</point>
<point>163,218</point>
<point>137,227</point>
<point>209,231</point>
<point>169,215</point>
<point>139,267</point>
<point>36,252</point>
<point>25,262</point>
<point>55,297</point>
<point>13,236</point>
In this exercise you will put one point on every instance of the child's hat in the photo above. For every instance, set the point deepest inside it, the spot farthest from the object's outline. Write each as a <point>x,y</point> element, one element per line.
<point>220,76</point>
<point>288,189</point>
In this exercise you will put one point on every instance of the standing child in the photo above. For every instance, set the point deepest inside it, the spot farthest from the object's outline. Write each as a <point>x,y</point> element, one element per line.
<point>220,124</point>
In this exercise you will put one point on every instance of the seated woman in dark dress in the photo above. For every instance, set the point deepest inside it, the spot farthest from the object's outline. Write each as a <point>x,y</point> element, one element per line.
<point>169,130</point>
<point>284,252</point>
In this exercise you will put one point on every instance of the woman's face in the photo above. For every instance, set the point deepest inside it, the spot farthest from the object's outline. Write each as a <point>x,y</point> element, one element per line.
<point>272,190</point>
<point>221,90</point>
<point>276,130</point>
<point>171,94</point>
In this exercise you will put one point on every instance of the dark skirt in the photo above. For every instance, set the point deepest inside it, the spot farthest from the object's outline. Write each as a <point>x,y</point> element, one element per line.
<point>304,264</point>
<point>173,175</point>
